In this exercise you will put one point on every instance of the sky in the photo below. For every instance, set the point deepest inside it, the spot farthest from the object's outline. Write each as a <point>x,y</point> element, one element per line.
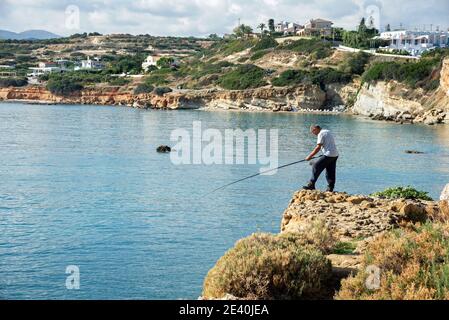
<point>204,17</point>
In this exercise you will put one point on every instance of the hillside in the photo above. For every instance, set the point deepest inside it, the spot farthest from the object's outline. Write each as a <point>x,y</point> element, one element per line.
<point>239,73</point>
<point>28,35</point>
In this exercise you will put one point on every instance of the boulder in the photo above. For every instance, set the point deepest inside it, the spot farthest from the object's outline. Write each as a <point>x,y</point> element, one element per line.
<point>163,149</point>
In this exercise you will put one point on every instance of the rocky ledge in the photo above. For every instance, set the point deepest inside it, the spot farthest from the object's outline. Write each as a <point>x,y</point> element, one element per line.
<point>353,217</point>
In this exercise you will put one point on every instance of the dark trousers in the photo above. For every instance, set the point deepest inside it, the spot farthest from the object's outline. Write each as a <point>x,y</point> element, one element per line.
<point>328,163</point>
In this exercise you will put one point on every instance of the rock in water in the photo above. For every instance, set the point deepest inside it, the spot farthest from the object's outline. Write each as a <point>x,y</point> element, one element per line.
<point>445,193</point>
<point>414,152</point>
<point>163,149</point>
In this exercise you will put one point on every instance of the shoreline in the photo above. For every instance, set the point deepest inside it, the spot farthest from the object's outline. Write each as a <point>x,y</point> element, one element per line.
<point>215,109</point>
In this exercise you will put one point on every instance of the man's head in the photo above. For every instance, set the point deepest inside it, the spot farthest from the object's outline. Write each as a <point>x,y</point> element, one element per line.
<point>315,129</point>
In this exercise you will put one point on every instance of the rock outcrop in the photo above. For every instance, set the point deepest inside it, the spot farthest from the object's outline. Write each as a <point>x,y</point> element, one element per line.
<point>309,97</point>
<point>353,217</point>
<point>394,101</point>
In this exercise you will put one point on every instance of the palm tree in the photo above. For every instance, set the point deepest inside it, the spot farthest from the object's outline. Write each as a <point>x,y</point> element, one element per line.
<point>262,27</point>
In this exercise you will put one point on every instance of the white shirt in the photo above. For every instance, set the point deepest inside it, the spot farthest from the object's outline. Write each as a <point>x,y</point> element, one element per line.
<point>327,142</point>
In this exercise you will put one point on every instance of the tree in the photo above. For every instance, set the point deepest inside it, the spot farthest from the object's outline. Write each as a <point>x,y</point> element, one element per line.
<point>362,27</point>
<point>165,62</point>
<point>271,25</point>
<point>262,27</point>
<point>214,37</point>
<point>243,30</point>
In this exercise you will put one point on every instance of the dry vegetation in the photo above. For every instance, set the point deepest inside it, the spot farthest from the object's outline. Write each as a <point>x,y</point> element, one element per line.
<point>265,266</point>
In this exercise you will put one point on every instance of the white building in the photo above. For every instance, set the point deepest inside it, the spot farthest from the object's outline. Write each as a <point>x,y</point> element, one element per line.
<point>90,64</point>
<point>150,61</point>
<point>415,42</point>
<point>316,27</point>
<point>45,68</point>
<point>287,27</point>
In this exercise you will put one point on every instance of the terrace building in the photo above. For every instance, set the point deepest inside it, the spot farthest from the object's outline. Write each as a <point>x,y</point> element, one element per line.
<point>45,67</point>
<point>90,64</point>
<point>287,28</point>
<point>316,27</point>
<point>415,42</point>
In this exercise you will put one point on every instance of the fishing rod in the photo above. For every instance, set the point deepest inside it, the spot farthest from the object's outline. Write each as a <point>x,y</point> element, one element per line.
<point>261,173</point>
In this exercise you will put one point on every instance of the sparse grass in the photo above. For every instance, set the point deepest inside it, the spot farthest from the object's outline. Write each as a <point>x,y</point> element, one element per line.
<point>414,265</point>
<point>344,248</point>
<point>265,266</point>
<point>259,54</point>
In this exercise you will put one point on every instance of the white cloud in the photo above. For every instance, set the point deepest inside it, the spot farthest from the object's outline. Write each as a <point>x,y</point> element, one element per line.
<point>201,17</point>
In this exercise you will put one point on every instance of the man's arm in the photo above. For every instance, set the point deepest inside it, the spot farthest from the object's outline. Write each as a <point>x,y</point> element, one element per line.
<point>314,152</point>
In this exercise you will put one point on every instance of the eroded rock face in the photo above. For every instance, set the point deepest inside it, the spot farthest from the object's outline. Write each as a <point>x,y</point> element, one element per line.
<point>353,217</point>
<point>379,101</point>
<point>260,99</point>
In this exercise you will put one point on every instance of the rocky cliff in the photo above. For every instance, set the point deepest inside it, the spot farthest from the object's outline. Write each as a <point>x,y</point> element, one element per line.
<point>267,98</point>
<point>396,102</point>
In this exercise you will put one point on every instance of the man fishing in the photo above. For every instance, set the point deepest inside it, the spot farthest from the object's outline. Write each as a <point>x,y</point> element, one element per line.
<point>325,143</point>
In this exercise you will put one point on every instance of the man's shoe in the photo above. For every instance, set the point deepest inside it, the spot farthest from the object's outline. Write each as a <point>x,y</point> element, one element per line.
<point>310,186</point>
<point>329,189</point>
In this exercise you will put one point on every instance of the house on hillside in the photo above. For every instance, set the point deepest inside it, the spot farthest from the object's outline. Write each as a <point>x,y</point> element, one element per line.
<point>415,42</point>
<point>89,64</point>
<point>45,67</point>
<point>287,28</point>
<point>316,27</point>
<point>150,61</point>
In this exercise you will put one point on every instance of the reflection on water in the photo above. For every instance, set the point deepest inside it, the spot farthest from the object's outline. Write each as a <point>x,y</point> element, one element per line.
<point>84,186</point>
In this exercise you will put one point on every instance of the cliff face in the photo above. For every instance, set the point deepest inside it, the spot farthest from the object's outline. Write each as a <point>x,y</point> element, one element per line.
<point>270,99</point>
<point>394,101</point>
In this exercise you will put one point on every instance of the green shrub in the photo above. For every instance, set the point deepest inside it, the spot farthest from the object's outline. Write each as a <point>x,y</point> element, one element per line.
<point>265,43</point>
<point>143,88</point>
<point>328,76</point>
<point>13,82</point>
<point>160,91</point>
<point>156,79</point>
<point>317,48</point>
<point>265,266</point>
<point>344,248</point>
<point>291,78</point>
<point>229,47</point>
<point>403,193</point>
<point>119,81</point>
<point>410,73</point>
<point>356,63</point>
<point>412,264</point>
<point>63,87</point>
<point>243,77</point>
<point>321,77</point>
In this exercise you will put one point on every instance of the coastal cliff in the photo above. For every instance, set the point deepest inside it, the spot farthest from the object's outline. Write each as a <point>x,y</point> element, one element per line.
<point>267,98</point>
<point>396,102</point>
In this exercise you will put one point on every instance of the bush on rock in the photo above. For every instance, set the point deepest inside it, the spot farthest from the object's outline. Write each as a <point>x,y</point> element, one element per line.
<point>265,266</point>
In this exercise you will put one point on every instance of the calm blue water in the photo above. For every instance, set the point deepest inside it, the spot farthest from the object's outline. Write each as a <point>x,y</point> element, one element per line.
<point>82,185</point>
